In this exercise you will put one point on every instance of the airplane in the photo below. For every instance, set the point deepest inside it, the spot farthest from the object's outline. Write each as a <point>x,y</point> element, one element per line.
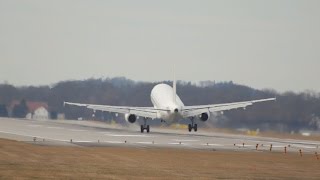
<point>168,107</point>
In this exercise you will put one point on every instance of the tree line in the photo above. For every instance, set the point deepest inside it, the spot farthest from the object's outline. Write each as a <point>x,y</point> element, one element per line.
<point>291,112</point>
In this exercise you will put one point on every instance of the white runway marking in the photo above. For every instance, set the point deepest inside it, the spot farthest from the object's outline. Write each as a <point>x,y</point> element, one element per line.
<point>84,141</point>
<point>113,142</point>
<point>268,143</point>
<point>77,130</point>
<point>127,135</point>
<point>248,145</point>
<point>278,146</point>
<point>212,144</point>
<point>53,127</point>
<point>145,142</point>
<point>34,125</point>
<point>178,143</point>
<point>245,145</point>
<point>62,140</point>
<point>307,147</point>
<point>185,140</point>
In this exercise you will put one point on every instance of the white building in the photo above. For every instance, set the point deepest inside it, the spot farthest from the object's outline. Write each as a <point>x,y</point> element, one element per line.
<point>40,113</point>
<point>37,110</point>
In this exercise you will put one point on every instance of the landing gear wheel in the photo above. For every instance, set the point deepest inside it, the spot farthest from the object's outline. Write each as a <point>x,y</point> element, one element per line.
<point>145,126</point>
<point>192,126</point>
<point>195,127</point>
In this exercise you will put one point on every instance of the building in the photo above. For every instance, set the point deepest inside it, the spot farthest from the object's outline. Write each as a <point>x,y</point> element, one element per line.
<point>36,110</point>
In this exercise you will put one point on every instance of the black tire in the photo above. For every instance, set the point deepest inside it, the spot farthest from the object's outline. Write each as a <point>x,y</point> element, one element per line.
<point>141,128</point>
<point>195,127</point>
<point>148,128</point>
<point>189,127</point>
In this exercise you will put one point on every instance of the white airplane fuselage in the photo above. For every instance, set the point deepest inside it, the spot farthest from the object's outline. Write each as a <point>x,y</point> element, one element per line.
<point>163,97</point>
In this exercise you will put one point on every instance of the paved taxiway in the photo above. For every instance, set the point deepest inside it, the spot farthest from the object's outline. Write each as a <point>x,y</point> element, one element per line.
<point>90,133</point>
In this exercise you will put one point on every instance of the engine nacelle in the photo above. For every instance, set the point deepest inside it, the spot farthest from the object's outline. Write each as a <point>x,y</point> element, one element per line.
<point>131,118</point>
<point>204,116</point>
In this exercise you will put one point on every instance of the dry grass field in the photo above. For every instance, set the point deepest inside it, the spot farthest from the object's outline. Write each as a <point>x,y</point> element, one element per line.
<point>19,160</point>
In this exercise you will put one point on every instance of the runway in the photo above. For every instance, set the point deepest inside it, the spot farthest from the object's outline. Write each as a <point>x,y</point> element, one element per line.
<point>91,133</point>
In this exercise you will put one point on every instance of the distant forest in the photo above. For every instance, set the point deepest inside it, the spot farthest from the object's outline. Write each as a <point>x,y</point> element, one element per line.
<point>291,112</point>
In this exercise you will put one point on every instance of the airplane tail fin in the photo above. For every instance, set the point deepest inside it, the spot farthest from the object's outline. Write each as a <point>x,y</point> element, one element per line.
<point>174,85</point>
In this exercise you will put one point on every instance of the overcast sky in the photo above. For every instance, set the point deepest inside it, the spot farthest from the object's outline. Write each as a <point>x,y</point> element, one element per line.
<point>263,44</point>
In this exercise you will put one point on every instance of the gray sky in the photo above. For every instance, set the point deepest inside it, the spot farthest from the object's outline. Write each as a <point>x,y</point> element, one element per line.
<point>263,44</point>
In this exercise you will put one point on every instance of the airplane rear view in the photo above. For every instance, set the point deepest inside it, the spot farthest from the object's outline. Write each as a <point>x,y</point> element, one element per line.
<point>168,107</point>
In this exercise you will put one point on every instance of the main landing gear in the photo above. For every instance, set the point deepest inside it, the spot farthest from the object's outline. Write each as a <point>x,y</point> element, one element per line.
<point>145,126</point>
<point>192,126</point>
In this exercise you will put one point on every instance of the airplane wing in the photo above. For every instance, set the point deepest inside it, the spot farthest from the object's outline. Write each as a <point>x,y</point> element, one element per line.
<point>189,111</point>
<point>148,112</point>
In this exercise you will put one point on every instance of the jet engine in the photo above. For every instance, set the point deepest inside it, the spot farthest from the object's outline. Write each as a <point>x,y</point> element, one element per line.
<point>204,116</point>
<point>131,118</point>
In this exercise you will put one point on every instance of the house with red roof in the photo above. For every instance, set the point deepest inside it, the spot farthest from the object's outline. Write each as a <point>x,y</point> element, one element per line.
<point>36,109</point>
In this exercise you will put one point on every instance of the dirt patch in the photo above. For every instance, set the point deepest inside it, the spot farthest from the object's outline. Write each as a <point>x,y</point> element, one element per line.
<point>20,160</point>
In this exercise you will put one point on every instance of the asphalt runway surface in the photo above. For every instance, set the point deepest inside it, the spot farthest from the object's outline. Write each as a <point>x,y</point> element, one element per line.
<point>91,133</point>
